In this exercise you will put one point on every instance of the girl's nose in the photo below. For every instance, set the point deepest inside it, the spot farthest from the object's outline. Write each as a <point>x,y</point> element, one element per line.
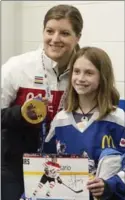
<point>81,77</point>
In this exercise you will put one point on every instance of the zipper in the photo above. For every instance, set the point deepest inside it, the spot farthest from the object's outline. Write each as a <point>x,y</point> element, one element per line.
<point>56,75</point>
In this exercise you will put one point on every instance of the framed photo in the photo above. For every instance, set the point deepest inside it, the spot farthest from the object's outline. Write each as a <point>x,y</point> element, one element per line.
<point>55,177</point>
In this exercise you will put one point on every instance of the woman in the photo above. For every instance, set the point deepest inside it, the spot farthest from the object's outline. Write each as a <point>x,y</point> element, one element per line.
<point>43,72</point>
<point>92,121</point>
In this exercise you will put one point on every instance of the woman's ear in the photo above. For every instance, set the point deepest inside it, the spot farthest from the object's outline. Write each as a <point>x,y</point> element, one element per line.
<point>79,36</point>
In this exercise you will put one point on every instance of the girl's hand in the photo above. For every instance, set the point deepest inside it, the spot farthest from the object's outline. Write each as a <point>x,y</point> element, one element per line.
<point>96,187</point>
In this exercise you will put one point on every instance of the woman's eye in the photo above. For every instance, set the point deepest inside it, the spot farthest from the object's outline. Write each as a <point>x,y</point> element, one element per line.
<point>49,31</point>
<point>65,33</point>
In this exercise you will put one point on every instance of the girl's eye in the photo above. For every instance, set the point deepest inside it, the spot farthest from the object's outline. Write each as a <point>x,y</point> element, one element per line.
<point>76,71</point>
<point>89,73</point>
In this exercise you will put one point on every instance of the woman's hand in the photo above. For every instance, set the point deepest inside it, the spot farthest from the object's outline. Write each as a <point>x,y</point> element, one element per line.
<point>34,110</point>
<point>96,187</point>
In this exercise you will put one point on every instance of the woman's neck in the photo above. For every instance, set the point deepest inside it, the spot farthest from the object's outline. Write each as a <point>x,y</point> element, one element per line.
<point>61,69</point>
<point>64,63</point>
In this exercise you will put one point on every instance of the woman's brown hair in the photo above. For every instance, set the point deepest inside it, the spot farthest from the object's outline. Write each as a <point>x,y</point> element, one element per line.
<point>107,96</point>
<point>66,12</point>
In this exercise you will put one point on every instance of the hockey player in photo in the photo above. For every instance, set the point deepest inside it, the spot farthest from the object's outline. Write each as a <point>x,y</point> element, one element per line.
<point>51,175</point>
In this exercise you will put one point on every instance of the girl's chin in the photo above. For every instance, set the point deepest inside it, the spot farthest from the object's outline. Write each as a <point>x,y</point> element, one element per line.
<point>82,93</point>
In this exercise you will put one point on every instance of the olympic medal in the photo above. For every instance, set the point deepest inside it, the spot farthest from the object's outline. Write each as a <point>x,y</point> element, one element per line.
<point>34,111</point>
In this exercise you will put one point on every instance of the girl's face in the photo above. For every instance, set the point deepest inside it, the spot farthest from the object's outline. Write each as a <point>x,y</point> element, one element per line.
<point>85,77</point>
<point>59,39</point>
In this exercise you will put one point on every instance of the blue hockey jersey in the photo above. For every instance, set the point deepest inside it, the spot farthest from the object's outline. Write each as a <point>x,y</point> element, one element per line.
<point>92,139</point>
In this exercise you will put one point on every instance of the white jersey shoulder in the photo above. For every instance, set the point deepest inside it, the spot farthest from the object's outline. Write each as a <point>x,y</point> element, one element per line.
<point>61,115</point>
<point>117,116</point>
<point>61,119</point>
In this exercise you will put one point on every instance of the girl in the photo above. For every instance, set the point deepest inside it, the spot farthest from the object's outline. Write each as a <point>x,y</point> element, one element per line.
<point>91,120</point>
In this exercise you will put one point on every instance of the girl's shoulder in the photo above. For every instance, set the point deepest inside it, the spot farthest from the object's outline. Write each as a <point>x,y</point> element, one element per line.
<point>118,113</point>
<point>117,116</point>
<point>62,115</point>
<point>62,118</point>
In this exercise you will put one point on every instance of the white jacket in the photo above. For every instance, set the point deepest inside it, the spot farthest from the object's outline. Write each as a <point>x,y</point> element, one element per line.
<point>18,79</point>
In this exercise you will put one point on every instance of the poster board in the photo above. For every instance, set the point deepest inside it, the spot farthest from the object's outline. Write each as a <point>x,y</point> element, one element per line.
<point>73,173</point>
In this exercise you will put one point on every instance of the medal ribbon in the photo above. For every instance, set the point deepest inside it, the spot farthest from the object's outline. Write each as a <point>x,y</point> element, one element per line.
<point>48,96</point>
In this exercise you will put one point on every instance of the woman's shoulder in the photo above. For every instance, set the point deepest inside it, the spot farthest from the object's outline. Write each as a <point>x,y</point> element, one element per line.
<point>21,61</point>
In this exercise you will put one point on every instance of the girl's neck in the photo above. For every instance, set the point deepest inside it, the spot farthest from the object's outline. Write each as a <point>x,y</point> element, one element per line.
<point>87,102</point>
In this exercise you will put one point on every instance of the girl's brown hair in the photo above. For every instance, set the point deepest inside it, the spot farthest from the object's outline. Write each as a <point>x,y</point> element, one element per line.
<point>107,96</point>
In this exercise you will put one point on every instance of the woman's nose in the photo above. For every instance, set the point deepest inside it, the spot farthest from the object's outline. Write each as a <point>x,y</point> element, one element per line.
<point>56,37</point>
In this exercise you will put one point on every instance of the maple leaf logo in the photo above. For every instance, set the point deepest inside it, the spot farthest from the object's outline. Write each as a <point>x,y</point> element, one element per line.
<point>122,142</point>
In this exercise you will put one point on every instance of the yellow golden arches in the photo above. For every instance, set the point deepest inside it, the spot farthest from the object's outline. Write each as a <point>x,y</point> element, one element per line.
<point>107,141</point>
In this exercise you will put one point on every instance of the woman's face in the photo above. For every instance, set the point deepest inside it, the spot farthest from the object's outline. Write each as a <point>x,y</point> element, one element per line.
<point>59,39</point>
<point>85,77</point>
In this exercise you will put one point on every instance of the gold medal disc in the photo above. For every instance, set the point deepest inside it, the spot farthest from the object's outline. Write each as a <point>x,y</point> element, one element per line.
<point>34,107</point>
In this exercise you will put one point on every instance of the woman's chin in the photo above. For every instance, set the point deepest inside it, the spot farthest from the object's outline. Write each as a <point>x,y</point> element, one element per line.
<point>54,56</point>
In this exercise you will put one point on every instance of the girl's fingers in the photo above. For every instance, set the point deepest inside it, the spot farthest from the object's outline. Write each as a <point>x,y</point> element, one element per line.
<point>95,185</point>
<point>97,194</point>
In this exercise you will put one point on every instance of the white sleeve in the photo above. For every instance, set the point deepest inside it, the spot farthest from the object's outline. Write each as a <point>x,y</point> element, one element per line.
<point>8,84</point>
<point>59,120</point>
<point>121,175</point>
<point>52,128</point>
<point>51,132</point>
<point>45,165</point>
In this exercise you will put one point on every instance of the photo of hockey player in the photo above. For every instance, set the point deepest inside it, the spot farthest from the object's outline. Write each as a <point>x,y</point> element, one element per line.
<point>51,175</point>
<point>55,177</point>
